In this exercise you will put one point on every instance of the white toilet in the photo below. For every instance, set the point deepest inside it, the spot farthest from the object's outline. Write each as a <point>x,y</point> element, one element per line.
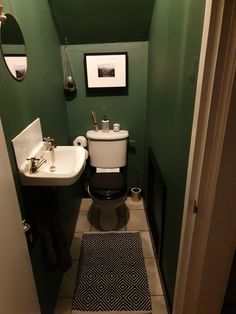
<point>107,185</point>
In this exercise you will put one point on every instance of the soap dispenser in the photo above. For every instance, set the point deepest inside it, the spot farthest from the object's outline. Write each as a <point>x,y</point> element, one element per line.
<point>105,124</point>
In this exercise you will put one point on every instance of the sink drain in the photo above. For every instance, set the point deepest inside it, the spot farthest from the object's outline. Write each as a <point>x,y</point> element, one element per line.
<point>52,169</point>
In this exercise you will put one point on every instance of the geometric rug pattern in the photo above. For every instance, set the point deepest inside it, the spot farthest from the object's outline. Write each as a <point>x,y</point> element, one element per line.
<point>111,275</point>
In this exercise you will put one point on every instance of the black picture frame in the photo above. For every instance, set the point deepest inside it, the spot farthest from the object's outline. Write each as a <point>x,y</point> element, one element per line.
<point>106,73</point>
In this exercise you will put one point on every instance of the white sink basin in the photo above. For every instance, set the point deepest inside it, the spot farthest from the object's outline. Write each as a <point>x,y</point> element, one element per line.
<point>69,162</point>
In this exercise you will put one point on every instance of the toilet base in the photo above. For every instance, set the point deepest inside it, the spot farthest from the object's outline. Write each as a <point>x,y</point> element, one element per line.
<point>108,219</point>
<point>107,211</point>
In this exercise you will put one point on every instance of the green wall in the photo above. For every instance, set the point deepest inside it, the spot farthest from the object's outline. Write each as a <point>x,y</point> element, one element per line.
<point>104,21</point>
<point>40,94</point>
<point>172,56</point>
<point>174,47</point>
<point>129,111</point>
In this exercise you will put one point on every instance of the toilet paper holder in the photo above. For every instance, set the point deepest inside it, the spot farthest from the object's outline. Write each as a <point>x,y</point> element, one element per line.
<point>80,141</point>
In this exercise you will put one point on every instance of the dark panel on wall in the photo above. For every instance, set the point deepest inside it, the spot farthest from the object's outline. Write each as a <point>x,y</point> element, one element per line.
<point>90,21</point>
<point>174,49</point>
<point>155,201</point>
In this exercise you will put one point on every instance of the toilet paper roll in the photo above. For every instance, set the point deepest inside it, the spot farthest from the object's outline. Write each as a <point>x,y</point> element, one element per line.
<point>80,141</point>
<point>86,153</point>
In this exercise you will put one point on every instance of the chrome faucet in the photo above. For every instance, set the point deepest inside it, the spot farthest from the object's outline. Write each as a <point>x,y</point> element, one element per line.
<point>49,143</point>
<point>36,163</point>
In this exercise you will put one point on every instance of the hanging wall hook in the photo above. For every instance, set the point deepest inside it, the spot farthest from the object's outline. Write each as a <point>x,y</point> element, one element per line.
<point>69,83</point>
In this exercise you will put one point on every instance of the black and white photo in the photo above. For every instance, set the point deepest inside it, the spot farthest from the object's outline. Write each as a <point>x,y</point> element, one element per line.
<point>106,70</point>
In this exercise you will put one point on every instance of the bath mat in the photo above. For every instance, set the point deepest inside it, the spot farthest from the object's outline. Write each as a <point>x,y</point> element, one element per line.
<point>111,275</point>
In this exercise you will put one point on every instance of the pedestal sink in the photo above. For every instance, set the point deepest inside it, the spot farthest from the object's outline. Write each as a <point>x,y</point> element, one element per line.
<point>69,162</point>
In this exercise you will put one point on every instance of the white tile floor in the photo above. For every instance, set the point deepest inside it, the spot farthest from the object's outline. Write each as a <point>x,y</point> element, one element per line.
<point>132,218</point>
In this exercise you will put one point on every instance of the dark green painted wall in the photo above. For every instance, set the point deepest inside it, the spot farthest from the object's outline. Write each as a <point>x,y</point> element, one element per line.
<point>91,21</point>
<point>129,110</point>
<point>40,94</point>
<point>173,57</point>
<point>174,46</point>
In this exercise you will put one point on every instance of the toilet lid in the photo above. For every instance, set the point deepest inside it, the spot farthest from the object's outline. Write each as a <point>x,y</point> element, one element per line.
<point>107,185</point>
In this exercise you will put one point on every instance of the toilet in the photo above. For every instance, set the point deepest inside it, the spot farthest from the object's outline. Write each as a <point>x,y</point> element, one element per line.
<point>107,185</point>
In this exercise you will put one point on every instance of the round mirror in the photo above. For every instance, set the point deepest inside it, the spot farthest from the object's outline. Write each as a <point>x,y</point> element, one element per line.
<point>13,47</point>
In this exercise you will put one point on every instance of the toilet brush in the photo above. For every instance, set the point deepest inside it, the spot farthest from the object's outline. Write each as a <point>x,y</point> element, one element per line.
<point>136,191</point>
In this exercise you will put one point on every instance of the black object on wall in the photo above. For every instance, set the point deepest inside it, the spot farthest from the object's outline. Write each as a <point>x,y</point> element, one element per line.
<point>156,200</point>
<point>156,204</point>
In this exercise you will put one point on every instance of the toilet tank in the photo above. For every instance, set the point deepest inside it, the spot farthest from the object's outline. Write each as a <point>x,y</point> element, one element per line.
<point>107,149</point>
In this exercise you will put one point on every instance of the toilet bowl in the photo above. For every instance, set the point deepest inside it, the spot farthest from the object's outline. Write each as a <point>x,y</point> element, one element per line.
<point>108,191</point>
<point>107,185</point>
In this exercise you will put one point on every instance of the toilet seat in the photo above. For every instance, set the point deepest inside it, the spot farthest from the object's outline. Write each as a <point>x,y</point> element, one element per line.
<point>107,186</point>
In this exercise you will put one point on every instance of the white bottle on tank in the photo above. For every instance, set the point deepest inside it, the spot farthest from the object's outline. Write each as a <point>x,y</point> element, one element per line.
<point>105,124</point>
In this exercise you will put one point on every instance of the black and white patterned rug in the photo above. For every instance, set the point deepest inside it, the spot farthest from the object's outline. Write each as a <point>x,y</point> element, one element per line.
<point>111,275</point>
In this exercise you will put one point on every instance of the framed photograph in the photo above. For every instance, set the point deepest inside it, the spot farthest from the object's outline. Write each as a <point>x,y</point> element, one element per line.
<point>106,71</point>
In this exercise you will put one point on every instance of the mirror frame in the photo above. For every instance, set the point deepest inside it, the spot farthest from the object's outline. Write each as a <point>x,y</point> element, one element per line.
<point>14,62</point>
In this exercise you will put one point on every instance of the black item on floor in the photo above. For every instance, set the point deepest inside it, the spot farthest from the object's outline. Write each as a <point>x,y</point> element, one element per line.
<point>111,275</point>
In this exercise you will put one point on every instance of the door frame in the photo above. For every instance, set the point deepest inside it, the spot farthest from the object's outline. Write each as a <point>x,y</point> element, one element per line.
<point>212,102</point>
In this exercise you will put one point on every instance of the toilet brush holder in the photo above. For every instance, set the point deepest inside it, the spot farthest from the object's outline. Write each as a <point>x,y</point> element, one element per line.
<point>136,194</point>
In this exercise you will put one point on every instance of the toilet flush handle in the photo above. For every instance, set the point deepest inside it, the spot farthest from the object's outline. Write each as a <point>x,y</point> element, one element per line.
<point>131,141</point>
